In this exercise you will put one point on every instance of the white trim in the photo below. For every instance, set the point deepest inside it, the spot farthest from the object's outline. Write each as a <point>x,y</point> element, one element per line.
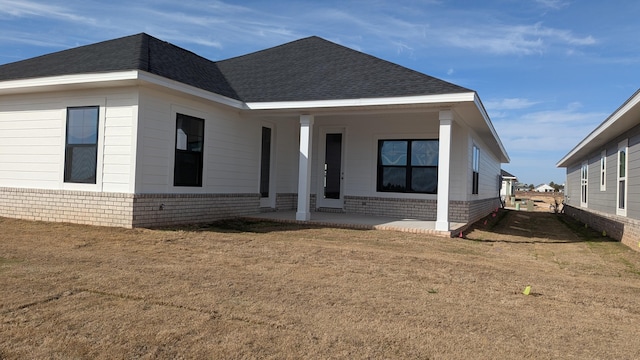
<point>322,148</point>
<point>584,184</point>
<point>304,167</point>
<point>101,102</point>
<point>444,159</point>
<point>603,170</point>
<point>68,80</point>
<point>400,100</point>
<point>622,146</point>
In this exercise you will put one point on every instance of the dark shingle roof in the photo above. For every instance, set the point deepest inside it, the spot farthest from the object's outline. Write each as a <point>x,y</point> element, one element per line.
<point>308,69</point>
<point>316,69</point>
<point>504,173</point>
<point>135,52</point>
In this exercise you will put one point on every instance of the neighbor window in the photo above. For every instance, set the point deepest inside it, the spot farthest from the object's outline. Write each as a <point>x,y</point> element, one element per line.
<point>603,170</point>
<point>476,170</point>
<point>622,178</point>
<point>81,148</point>
<point>584,176</point>
<point>189,147</point>
<point>409,166</point>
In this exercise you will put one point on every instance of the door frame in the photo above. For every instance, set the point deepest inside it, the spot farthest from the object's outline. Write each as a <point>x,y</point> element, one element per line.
<point>321,202</point>
<point>270,201</point>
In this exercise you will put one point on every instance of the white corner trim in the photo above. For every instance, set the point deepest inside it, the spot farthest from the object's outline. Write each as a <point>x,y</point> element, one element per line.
<point>401,100</point>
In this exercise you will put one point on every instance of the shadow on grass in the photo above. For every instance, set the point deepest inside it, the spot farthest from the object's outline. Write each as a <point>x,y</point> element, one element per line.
<point>244,225</point>
<point>509,226</point>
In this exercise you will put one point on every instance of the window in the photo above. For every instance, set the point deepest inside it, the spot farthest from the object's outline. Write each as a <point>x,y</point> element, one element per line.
<point>603,170</point>
<point>408,166</point>
<point>265,161</point>
<point>81,147</point>
<point>189,146</point>
<point>584,176</point>
<point>476,170</point>
<point>622,178</point>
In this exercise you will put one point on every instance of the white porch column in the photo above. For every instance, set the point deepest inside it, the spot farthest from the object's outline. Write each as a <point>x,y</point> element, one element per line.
<point>444,159</point>
<point>304,168</point>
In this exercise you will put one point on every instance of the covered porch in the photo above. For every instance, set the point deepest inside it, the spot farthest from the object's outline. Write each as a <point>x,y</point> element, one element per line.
<point>363,222</point>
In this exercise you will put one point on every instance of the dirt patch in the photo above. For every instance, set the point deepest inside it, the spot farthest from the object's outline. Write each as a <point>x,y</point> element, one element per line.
<point>266,290</point>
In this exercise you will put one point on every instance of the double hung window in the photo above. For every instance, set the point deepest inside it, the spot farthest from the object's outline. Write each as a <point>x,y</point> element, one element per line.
<point>81,145</point>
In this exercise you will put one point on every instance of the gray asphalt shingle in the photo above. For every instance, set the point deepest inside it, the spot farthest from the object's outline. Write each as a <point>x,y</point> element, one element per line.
<point>307,69</point>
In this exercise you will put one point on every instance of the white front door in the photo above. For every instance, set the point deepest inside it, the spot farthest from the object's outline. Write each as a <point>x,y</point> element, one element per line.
<point>331,170</point>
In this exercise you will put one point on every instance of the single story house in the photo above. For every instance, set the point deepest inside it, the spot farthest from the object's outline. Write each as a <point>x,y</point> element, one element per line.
<point>544,188</point>
<point>138,132</point>
<point>603,176</point>
<point>507,188</point>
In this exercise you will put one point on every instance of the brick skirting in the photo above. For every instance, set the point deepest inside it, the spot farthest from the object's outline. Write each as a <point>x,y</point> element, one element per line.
<point>123,210</point>
<point>620,228</point>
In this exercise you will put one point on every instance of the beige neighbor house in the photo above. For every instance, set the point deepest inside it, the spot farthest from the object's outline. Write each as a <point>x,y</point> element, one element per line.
<point>603,176</point>
<point>137,132</point>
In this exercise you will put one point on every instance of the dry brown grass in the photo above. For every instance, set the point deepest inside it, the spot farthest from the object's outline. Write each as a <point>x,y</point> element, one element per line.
<point>263,290</point>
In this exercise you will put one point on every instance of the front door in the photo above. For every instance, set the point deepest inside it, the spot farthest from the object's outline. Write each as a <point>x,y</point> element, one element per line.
<point>330,194</point>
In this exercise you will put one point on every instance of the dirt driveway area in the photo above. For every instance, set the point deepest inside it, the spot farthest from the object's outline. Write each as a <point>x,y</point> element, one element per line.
<point>239,290</point>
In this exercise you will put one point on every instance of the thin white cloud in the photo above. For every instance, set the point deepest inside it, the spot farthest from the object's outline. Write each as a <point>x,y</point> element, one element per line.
<point>509,104</point>
<point>553,4</point>
<point>511,39</point>
<point>26,8</point>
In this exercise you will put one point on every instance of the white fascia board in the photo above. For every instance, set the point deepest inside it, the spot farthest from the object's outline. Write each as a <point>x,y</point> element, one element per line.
<point>489,124</point>
<point>114,78</point>
<point>188,89</point>
<point>68,80</point>
<point>633,101</point>
<point>339,103</point>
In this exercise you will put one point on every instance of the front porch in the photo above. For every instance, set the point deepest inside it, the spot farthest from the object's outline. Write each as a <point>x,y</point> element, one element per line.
<point>363,222</point>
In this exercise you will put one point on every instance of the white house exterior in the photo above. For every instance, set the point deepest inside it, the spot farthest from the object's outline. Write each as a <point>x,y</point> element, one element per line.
<point>544,188</point>
<point>507,188</point>
<point>138,143</point>
<point>603,176</point>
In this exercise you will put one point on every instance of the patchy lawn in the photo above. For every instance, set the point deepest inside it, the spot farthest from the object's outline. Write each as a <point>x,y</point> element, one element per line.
<point>263,290</point>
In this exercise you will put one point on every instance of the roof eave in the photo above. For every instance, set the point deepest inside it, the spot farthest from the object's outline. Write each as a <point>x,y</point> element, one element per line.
<point>361,102</point>
<point>618,122</point>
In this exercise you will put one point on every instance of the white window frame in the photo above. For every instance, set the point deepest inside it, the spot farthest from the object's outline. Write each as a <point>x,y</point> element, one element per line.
<point>621,206</point>
<point>603,170</point>
<point>584,184</point>
<point>475,171</point>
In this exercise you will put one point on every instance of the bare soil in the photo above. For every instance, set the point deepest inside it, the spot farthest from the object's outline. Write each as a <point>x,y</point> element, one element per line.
<point>239,289</point>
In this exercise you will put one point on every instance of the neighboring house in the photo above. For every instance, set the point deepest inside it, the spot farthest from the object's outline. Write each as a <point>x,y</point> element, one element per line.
<point>507,190</point>
<point>544,188</point>
<point>603,176</point>
<point>137,132</point>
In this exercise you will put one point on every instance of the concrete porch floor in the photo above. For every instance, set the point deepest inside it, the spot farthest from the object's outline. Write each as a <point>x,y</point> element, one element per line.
<point>368,222</point>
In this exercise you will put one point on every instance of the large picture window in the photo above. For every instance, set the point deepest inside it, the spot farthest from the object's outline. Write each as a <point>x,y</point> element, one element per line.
<point>81,148</point>
<point>189,147</point>
<point>408,166</point>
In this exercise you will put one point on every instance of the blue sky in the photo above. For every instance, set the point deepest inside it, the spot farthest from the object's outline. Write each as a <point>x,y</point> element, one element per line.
<point>548,71</point>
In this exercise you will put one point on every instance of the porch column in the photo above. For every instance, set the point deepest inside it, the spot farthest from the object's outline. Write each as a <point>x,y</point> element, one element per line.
<point>444,157</point>
<point>304,168</point>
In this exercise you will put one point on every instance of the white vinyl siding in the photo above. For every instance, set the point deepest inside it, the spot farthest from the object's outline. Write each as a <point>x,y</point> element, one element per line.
<point>33,133</point>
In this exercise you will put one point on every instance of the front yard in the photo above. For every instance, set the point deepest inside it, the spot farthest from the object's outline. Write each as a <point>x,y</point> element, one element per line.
<point>265,290</point>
